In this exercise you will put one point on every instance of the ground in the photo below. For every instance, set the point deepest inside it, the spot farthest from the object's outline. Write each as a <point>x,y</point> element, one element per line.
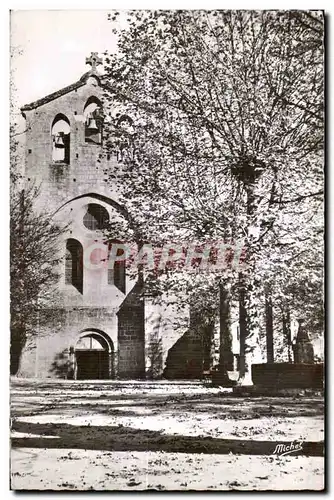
<point>116,435</point>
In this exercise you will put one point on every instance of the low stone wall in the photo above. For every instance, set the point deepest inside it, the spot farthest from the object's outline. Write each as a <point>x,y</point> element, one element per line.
<point>288,375</point>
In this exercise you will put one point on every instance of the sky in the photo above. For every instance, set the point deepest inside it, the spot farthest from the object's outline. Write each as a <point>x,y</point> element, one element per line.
<point>54,45</point>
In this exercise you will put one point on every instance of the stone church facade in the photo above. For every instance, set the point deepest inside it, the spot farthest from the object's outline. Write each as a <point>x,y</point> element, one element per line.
<point>99,326</point>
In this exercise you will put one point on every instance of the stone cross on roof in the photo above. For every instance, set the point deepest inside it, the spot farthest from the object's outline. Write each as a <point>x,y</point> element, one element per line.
<point>93,60</point>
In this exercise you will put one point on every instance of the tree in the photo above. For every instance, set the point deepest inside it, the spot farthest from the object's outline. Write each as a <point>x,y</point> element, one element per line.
<point>34,257</point>
<point>226,130</point>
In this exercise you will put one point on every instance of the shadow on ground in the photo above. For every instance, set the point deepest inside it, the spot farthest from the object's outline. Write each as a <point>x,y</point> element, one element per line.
<point>119,438</point>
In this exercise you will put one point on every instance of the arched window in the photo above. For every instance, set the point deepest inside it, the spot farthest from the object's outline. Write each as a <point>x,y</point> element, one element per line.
<point>74,264</point>
<point>116,270</point>
<point>93,114</point>
<point>61,139</point>
<point>96,217</point>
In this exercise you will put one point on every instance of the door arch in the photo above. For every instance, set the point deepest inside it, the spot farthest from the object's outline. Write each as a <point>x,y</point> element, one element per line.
<point>93,353</point>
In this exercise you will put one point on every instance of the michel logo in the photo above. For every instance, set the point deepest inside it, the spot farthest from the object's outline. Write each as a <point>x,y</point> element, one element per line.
<point>285,449</point>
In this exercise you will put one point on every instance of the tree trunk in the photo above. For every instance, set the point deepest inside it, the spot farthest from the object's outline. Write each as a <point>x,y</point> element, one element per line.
<point>17,343</point>
<point>18,335</point>
<point>207,340</point>
<point>225,349</point>
<point>249,326</point>
<point>287,331</point>
<point>269,329</point>
<point>201,338</point>
<point>242,328</point>
<point>250,288</point>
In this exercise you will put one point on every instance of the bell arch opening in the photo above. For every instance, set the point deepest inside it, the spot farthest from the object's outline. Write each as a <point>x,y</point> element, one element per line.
<point>93,114</point>
<point>61,132</point>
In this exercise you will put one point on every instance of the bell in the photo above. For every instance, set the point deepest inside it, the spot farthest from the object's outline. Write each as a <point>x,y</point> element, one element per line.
<point>59,143</point>
<point>92,125</point>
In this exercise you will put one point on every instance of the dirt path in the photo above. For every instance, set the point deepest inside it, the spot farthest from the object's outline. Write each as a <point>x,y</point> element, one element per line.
<point>165,433</point>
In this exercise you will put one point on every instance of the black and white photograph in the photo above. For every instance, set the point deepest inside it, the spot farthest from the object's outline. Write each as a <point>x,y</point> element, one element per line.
<point>167,183</point>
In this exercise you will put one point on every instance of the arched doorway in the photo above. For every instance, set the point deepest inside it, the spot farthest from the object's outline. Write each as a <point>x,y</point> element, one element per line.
<point>93,357</point>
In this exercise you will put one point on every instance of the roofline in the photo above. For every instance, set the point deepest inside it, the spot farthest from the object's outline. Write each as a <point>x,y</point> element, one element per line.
<point>61,92</point>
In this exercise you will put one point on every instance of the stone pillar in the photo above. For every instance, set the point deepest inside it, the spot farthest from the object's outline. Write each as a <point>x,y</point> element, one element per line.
<point>113,364</point>
<point>115,361</point>
<point>110,365</point>
<point>72,364</point>
<point>303,349</point>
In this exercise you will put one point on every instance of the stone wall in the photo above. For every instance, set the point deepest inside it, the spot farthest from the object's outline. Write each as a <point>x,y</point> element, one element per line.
<point>165,323</point>
<point>50,352</point>
<point>131,335</point>
<point>85,172</point>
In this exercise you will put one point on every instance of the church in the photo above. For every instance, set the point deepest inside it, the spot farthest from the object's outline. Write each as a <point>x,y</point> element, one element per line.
<point>100,325</point>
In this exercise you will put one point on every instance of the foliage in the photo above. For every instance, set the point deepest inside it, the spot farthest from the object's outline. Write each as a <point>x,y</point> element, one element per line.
<point>217,117</point>
<point>33,266</point>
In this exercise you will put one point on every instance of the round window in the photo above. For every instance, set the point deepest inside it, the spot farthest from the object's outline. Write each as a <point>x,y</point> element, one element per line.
<point>96,217</point>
